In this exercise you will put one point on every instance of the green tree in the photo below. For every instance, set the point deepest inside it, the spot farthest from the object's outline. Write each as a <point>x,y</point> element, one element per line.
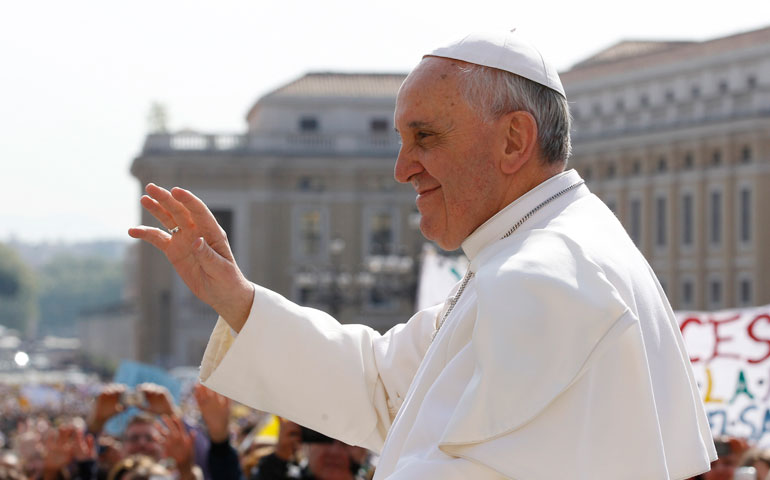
<point>17,291</point>
<point>72,284</point>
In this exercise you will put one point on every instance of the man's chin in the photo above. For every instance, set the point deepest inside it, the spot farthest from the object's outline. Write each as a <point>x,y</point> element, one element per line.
<point>443,241</point>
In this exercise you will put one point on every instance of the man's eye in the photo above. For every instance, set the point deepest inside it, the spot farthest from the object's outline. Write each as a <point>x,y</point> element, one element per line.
<point>423,135</point>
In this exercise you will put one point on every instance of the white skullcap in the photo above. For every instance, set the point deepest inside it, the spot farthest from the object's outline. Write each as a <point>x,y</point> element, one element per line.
<point>504,51</point>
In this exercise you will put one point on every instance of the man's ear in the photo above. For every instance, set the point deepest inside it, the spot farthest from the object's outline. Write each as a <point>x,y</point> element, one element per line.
<point>520,140</point>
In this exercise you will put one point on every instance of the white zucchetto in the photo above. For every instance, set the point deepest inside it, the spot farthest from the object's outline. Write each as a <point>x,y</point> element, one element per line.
<point>505,51</point>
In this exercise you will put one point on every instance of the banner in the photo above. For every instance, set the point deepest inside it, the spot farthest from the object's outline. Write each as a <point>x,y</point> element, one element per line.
<point>730,355</point>
<point>438,274</point>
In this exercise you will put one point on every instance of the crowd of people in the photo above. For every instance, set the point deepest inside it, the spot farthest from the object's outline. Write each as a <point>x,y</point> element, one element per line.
<point>203,436</point>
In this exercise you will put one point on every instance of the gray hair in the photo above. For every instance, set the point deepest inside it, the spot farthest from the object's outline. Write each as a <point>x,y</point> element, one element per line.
<point>495,92</point>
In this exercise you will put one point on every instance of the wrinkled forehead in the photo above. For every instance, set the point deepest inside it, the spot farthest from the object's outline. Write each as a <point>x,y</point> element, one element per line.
<point>432,71</point>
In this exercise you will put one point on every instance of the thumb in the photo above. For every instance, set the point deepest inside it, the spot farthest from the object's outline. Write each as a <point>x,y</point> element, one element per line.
<point>209,259</point>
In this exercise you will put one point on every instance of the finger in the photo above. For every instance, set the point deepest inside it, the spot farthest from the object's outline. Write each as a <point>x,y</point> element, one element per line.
<point>154,236</point>
<point>204,219</point>
<point>180,215</point>
<point>157,211</point>
<point>212,262</point>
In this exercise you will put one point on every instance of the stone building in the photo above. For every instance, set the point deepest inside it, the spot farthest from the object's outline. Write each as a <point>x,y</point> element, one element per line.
<point>309,203</point>
<point>675,138</point>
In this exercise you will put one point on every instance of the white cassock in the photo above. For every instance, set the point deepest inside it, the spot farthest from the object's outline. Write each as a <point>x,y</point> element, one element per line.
<point>561,359</point>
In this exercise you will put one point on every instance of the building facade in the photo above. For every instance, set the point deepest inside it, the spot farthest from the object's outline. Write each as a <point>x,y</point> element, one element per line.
<point>675,138</point>
<point>308,201</point>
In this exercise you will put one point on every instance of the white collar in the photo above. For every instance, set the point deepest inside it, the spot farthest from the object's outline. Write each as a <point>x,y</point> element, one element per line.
<point>494,228</point>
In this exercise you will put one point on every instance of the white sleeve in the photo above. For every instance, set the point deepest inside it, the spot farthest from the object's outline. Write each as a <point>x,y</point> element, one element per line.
<point>346,381</point>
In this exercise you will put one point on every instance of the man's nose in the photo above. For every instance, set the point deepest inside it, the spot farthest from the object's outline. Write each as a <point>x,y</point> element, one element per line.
<point>406,166</point>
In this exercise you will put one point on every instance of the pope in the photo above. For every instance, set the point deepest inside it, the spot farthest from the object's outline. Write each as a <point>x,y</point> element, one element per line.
<point>556,356</point>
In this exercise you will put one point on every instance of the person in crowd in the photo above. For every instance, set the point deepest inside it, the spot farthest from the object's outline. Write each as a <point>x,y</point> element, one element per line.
<point>559,337</point>
<point>223,461</point>
<point>281,461</point>
<point>10,466</point>
<point>139,467</point>
<point>327,458</point>
<point>729,450</point>
<point>760,460</point>
<point>144,434</point>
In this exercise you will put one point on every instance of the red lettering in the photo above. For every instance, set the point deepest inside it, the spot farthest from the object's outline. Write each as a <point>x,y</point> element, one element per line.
<point>681,329</point>
<point>717,339</point>
<point>750,330</point>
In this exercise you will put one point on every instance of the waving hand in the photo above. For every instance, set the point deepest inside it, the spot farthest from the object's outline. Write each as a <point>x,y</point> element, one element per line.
<point>198,249</point>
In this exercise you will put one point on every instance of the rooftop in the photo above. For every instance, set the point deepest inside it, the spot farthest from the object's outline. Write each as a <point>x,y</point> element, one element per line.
<point>334,84</point>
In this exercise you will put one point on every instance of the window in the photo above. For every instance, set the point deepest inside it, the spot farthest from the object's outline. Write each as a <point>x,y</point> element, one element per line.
<point>695,91</point>
<point>688,162</point>
<point>636,221</point>
<point>744,292</point>
<point>611,170</point>
<point>310,184</point>
<point>746,154</point>
<point>669,96</point>
<point>378,125</point>
<point>381,234</point>
<point>716,158</point>
<point>687,219</point>
<point>723,87</point>
<point>715,226</point>
<point>715,292</point>
<point>745,215</point>
<point>751,82</point>
<point>597,109</point>
<point>687,293</point>
<point>309,233</point>
<point>308,124</point>
<point>224,217</point>
<point>644,100</point>
<point>662,165</point>
<point>660,221</point>
<point>587,173</point>
<point>620,105</point>
<point>636,167</point>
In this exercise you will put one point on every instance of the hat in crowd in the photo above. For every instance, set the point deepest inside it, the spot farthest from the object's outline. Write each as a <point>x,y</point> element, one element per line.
<point>504,51</point>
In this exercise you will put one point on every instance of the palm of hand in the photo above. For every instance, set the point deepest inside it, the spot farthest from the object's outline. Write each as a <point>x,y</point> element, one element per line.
<point>199,251</point>
<point>215,410</point>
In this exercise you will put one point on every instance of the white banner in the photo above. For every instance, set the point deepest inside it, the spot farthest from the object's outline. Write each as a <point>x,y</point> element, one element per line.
<point>730,355</point>
<point>438,274</point>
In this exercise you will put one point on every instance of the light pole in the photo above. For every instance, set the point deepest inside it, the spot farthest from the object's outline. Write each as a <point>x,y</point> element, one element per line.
<point>379,279</point>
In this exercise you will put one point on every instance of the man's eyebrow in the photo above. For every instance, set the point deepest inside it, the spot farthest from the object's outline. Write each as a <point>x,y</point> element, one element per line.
<point>417,124</point>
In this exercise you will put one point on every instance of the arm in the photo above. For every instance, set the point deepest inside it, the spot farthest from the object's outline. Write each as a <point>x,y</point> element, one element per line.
<point>285,352</point>
<point>222,458</point>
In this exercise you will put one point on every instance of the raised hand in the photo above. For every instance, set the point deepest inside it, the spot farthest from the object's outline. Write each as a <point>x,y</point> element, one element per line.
<point>107,405</point>
<point>198,249</point>
<point>289,440</point>
<point>179,445</point>
<point>215,410</point>
<point>58,450</point>
<point>83,447</point>
<point>158,399</point>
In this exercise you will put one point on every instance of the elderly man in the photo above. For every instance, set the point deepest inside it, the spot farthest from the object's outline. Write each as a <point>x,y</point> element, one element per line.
<point>556,356</point>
